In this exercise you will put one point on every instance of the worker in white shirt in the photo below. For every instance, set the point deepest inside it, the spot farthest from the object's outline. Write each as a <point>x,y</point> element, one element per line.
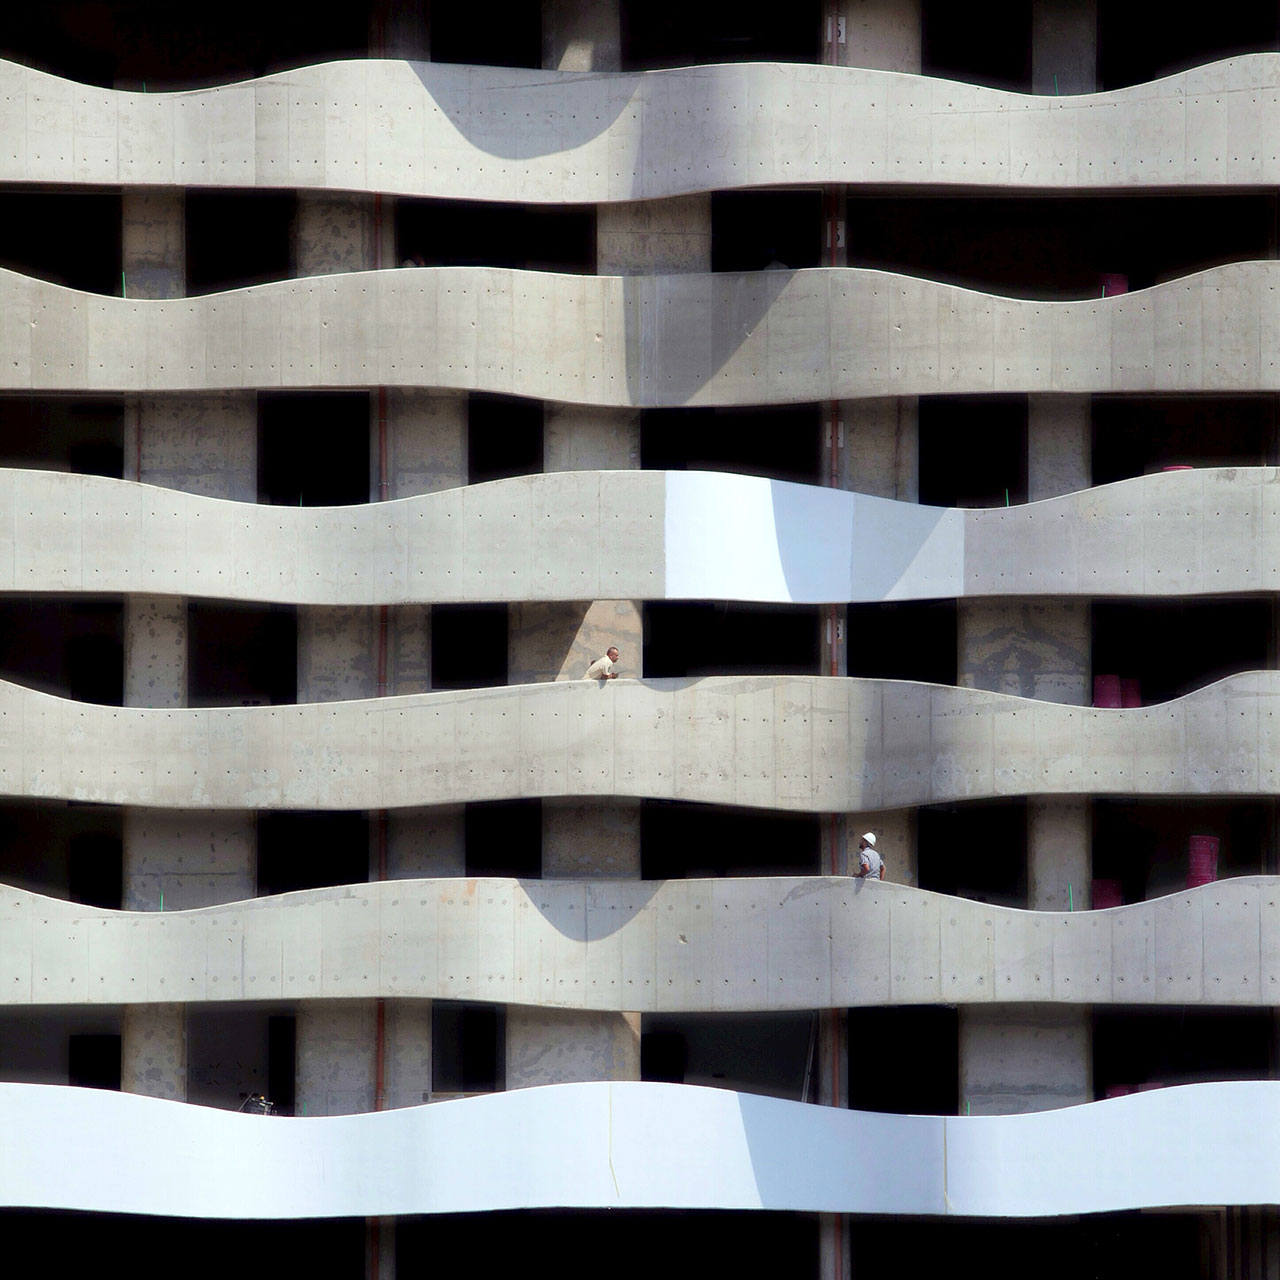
<point>603,668</point>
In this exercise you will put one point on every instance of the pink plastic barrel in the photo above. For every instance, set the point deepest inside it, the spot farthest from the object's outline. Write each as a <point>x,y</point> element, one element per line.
<point>1107,893</point>
<point>1178,466</point>
<point>1202,861</point>
<point>1106,691</point>
<point>1131,693</point>
<point>1113,284</point>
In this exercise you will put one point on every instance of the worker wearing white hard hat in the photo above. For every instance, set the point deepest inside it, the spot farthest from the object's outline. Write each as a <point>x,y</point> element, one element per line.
<point>870,864</point>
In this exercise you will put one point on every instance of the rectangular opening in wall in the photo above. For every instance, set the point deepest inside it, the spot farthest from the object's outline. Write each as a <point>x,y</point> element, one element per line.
<point>241,655</point>
<point>468,646</point>
<point>282,1062</point>
<point>995,52</point>
<point>770,231</point>
<point>63,849</point>
<point>313,448</point>
<point>506,33</point>
<point>504,437</point>
<point>1139,435</point>
<point>67,238</point>
<point>229,1056</point>
<point>680,840</point>
<point>907,640</point>
<point>504,838</point>
<point>93,1061</point>
<point>237,238</point>
<point>95,869</point>
<point>468,1047</point>
<point>311,850</point>
<point>779,442</point>
<point>486,233</point>
<point>915,1051</point>
<point>1168,648</point>
<point>68,648</point>
<point>976,850</point>
<point>697,639</point>
<point>666,33</point>
<point>34,1043</point>
<point>973,451</point>
<point>63,433</point>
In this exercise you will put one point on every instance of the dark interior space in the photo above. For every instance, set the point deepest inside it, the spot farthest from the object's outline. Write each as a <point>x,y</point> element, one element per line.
<point>35,1041</point>
<point>63,849</point>
<point>1137,43</point>
<point>915,1050</point>
<point>973,451</point>
<point>311,850</point>
<point>1135,1047</point>
<point>766,1053</point>
<point>779,442</point>
<point>1136,435</point>
<point>69,648</point>
<point>235,1051</point>
<point>1057,248</point>
<point>630,1245</point>
<point>93,1061</point>
<point>241,655</point>
<point>679,840</point>
<point>697,639</point>
<point>763,230</point>
<point>313,448</point>
<point>667,33</point>
<point>995,51</point>
<point>507,33</point>
<point>976,850</point>
<point>1100,1246</point>
<point>79,1244</point>
<point>481,233</point>
<point>63,433</point>
<point>70,238</point>
<point>908,640</point>
<point>504,838</point>
<point>504,437</point>
<point>282,1062</point>
<point>237,238</point>
<point>157,45</point>
<point>1144,844</point>
<point>468,1047</point>
<point>95,869</point>
<point>468,646</point>
<point>1172,647</point>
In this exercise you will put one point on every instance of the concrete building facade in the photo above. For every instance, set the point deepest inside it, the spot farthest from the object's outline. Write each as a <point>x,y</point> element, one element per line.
<point>897,393</point>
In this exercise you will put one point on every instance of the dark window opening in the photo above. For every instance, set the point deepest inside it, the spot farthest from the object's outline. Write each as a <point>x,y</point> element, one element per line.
<point>504,437</point>
<point>67,238</point>
<point>916,1054</point>
<point>507,33</point>
<point>237,238</point>
<point>93,1061</point>
<point>68,648</point>
<point>765,1053</point>
<point>764,230</point>
<point>504,838</point>
<point>679,840</point>
<point>468,646</point>
<point>911,640</point>
<point>468,1045</point>
<point>696,639</point>
<point>481,233</point>
<point>973,451</point>
<point>241,654</point>
<point>1172,647</point>
<point>282,1062</point>
<point>313,448</point>
<point>976,850</point>
<point>995,52</point>
<point>233,1054</point>
<point>667,33</point>
<point>311,850</point>
<point>95,869</point>
<point>777,442</point>
<point>69,850</point>
<point>62,433</point>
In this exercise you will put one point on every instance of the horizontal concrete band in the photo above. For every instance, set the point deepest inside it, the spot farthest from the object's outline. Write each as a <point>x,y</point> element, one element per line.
<point>679,946</point>
<point>770,337</point>
<point>653,535</point>
<point>637,1146</point>
<point>488,133</point>
<point>801,743</point>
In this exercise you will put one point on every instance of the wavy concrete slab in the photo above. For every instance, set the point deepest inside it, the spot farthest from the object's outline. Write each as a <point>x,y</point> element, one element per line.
<point>679,946</point>
<point>637,1146</point>
<point>771,337</point>
<point>615,535</point>
<point>803,743</point>
<point>430,129</point>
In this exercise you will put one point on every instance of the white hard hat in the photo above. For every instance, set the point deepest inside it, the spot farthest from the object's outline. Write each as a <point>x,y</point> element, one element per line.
<point>870,838</point>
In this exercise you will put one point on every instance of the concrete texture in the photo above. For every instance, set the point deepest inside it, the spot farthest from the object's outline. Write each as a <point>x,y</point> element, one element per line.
<point>153,242</point>
<point>560,641</point>
<point>587,439</point>
<point>203,444</point>
<point>336,1045</point>
<point>591,839</point>
<point>425,843</point>
<point>581,37</point>
<point>334,233</point>
<point>1058,439</point>
<point>617,946</point>
<point>408,1048</point>
<point>177,860</point>
<point>1028,648</point>
<point>566,1047</point>
<point>155,651</point>
<point>881,447</point>
<point>1059,855</point>
<point>153,1051</point>
<point>426,435</point>
<point>897,842</point>
<point>337,653</point>
<point>1064,46</point>
<point>1016,1059</point>
<point>880,34</point>
<point>654,237</point>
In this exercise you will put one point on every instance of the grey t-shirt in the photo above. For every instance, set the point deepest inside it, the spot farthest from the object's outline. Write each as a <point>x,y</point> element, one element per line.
<point>870,859</point>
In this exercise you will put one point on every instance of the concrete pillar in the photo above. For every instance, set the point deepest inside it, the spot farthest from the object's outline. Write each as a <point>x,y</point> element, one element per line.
<point>881,34</point>
<point>153,1051</point>
<point>423,844</point>
<point>155,651</point>
<point>1021,1058</point>
<point>881,448</point>
<point>199,443</point>
<point>180,859</point>
<point>581,35</point>
<point>399,29</point>
<point>560,641</point>
<point>561,1046</point>
<point>1027,648</point>
<point>336,233</point>
<point>654,237</point>
<point>408,1052</point>
<point>337,653</point>
<point>426,441</point>
<point>1064,46</point>
<point>583,438</point>
<point>591,839</point>
<point>336,1051</point>
<point>1059,432</point>
<point>154,242</point>
<point>896,842</point>
<point>1059,858</point>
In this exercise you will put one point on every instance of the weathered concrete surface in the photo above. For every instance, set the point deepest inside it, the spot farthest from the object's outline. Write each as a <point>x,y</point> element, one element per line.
<point>425,843</point>
<point>1058,446</point>
<point>153,241</point>
<point>177,860</point>
<point>334,233</point>
<point>1064,46</point>
<point>565,1047</point>
<point>426,435</point>
<point>560,641</point>
<point>587,439</point>
<point>337,653</point>
<point>155,651</point>
<point>1021,1058</point>
<point>203,444</point>
<point>590,839</point>
<point>336,1048</point>
<point>1028,648</point>
<point>153,1051</point>
<point>408,1069</point>
<point>881,453</point>
<point>654,237</point>
<point>879,34</point>
<point>897,842</point>
<point>1059,855</point>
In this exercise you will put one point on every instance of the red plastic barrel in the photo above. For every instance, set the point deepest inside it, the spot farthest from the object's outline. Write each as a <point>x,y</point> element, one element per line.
<point>1107,893</point>
<point>1131,692</point>
<point>1202,860</point>
<point>1113,284</point>
<point>1178,466</point>
<point>1106,691</point>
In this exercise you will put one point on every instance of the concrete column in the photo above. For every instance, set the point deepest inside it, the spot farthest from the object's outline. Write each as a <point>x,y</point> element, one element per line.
<point>561,1046</point>
<point>1059,857</point>
<point>654,237</point>
<point>154,242</point>
<point>1064,46</point>
<point>1027,648</point>
<point>155,651</point>
<point>1021,1058</point>
<point>399,29</point>
<point>337,653</point>
<point>336,1052</point>
<point>199,443</point>
<point>180,859</point>
<point>1059,431</point>
<point>581,35</point>
<point>424,844</point>
<point>584,438</point>
<point>881,34</point>
<point>408,1053</point>
<point>560,641</point>
<point>153,1051</point>
<point>881,449</point>
<point>591,839</point>
<point>336,233</point>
